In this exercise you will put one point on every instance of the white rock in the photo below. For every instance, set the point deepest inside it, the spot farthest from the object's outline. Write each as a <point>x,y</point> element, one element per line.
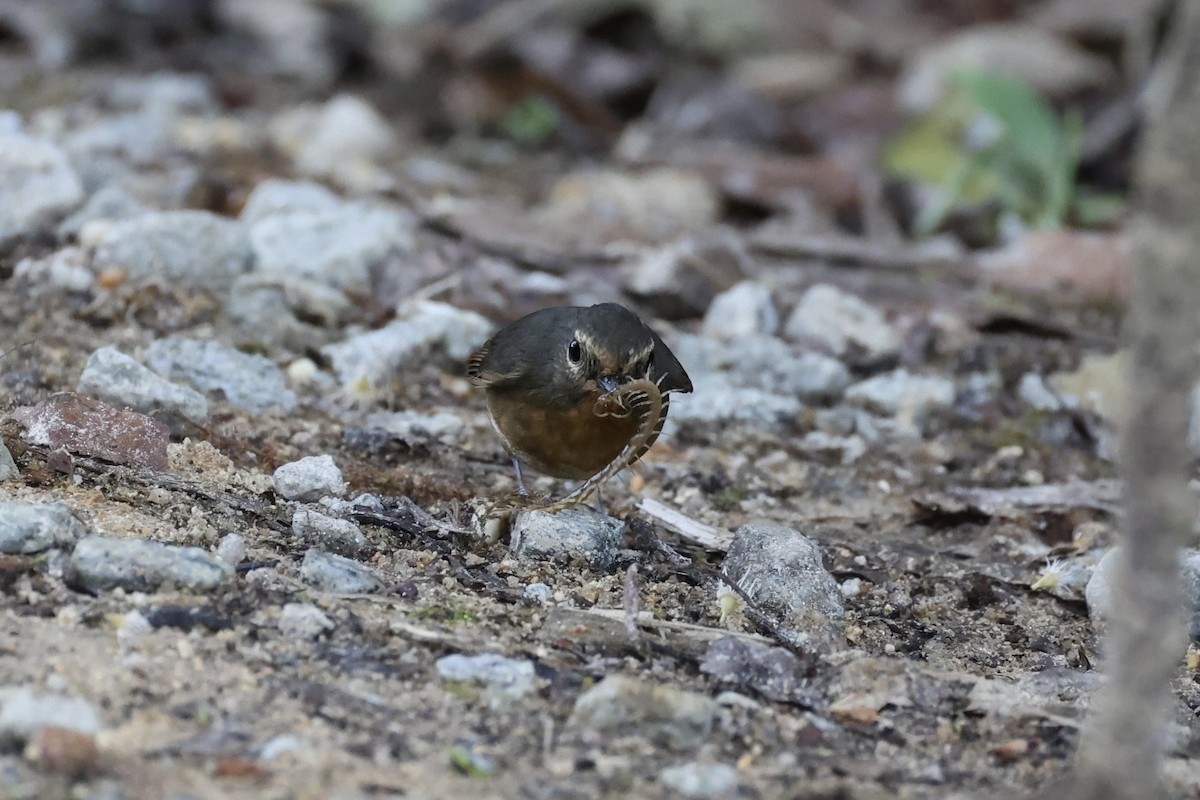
<point>303,621</point>
<point>309,479</point>
<point>746,309</point>
<point>37,184</point>
<point>841,323</point>
<point>24,712</point>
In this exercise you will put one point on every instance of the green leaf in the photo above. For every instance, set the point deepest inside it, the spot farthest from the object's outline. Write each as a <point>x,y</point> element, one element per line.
<point>1030,125</point>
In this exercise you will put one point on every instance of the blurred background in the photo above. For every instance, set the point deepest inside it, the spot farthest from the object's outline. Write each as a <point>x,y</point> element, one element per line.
<point>820,127</point>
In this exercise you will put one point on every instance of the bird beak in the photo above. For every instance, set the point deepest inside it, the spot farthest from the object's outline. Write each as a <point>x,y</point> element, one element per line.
<point>608,383</point>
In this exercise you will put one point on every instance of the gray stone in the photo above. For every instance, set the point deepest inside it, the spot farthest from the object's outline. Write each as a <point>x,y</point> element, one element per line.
<point>303,621</point>
<point>842,324</point>
<point>287,311</point>
<point>780,570</point>
<point>506,679</point>
<point>744,310</point>
<point>681,279</point>
<point>701,780</point>
<point>763,362</point>
<point>100,563</point>
<point>567,534</point>
<point>901,393</point>
<point>8,467</point>
<point>417,426</point>
<point>1034,391</point>
<point>65,269</point>
<point>326,572</point>
<point>37,185</point>
<point>347,131</point>
<point>717,399</point>
<point>24,712</point>
<point>308,479</point>
<point>190,247</point>
<point>168,93</point>
<point>108,203</point>
<point>232,549</point>
<point>277,197</point>
<point>538,592</point>
<point>621,706</point>
<point>771,672</point>
<point>120,380</point>
<point>34,527</point>
<point>424,329</point>
<point>343,246</point>
<point>331,533</point>
<point>248,381</point>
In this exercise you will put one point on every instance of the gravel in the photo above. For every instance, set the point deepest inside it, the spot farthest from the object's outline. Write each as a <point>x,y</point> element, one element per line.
<point>100,563</point>
<point>120,380</point>
<point>326,572</point>
<point>331,533</point>
<point>308,479</point>
<point>189,247</point>
<point>780,569</point>
<point>765,363</point>
<point>247,381</point>
<point>36,527</point>
<point>566,535</point>
<point>37,184</point>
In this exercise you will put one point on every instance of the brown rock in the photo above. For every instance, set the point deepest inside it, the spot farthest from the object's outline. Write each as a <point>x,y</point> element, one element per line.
<point>64,752</point>
<point>86,426</point>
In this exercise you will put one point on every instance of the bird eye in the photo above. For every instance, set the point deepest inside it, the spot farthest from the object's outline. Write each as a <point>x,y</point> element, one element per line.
<point>574,352</point>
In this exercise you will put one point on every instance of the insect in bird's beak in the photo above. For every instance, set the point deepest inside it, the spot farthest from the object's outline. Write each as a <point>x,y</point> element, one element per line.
<point>608,383</point>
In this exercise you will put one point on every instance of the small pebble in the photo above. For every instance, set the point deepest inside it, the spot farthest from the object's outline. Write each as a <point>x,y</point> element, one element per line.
<point>744,310</point>
<point>308,479</point>
<point>330,573</point>
<point>101,563</point>
<point>539,592</point>
<point>620,705</point>
<point>63,751</point>
<point>303,621</point>
<point>700,780</point>
<point>507,679</point>
<point>782,572</point>
<point>843,324</point>
<point>117,378</point>
<point>8,467</point>
<point>567,534</point>
<point>247,381</point>
<point>333,534</point>
<point>232,549</point>
<point>27,528</point>
<point>24,712</point>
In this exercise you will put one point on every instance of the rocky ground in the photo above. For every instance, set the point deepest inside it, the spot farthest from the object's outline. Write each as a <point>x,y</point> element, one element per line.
<point>243,545</point>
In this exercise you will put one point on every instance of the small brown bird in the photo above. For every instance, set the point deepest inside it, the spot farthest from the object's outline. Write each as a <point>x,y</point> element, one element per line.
<point>544,373</point>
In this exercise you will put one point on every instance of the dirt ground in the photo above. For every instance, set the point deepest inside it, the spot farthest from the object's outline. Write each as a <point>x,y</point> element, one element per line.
<point>951,676</point>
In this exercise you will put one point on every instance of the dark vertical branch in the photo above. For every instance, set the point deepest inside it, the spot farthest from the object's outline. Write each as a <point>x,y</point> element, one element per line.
<point>1120,752</point>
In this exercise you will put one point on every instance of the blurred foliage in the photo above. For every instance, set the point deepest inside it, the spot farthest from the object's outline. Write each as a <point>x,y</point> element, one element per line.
<point>994,140</point>
<point>532,121</point>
